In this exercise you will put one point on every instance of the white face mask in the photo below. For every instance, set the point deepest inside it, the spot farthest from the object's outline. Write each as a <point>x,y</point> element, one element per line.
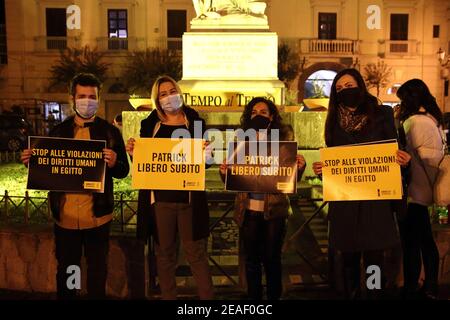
<point>86,108</point>
<point>171,103</point>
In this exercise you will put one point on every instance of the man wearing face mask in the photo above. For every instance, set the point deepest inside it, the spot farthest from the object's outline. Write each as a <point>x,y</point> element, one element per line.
<point>82,220</point>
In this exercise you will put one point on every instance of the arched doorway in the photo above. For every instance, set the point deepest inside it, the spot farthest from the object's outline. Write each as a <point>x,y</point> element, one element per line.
<point>310,71</point>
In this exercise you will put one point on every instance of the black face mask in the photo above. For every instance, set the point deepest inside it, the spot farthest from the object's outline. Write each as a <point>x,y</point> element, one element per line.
<point>259,122</point>
<point>350,97</point>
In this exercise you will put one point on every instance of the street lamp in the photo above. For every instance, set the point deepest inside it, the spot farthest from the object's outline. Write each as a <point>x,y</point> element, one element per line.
<point>443,60</point>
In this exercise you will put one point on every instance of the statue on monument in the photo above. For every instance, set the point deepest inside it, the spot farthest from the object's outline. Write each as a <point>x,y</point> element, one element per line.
<point>230,12</point>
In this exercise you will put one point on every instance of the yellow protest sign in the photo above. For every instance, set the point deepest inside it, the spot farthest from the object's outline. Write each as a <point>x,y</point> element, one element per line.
<point>361,172</point>
<point>166,164</point>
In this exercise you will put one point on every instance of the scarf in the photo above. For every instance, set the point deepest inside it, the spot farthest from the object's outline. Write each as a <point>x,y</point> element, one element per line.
<point>351,121</point>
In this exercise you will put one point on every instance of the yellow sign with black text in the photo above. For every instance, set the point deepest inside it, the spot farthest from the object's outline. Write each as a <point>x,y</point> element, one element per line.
<point>168,164</point>
<point>361,172</point>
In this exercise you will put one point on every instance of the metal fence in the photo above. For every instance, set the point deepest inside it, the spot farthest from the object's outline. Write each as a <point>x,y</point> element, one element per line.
<point>36,210</point>
<point>9,156</point>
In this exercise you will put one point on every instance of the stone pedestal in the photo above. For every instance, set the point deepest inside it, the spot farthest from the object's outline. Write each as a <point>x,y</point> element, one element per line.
<point>228,69</point>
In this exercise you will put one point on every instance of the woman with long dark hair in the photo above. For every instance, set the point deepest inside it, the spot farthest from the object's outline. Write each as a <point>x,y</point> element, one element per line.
<point>359,229</point>
<point>422,122</point>
<point>262,216</point>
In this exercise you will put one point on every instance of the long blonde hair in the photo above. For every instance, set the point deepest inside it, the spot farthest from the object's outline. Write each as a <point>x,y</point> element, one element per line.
<point>155,93</point>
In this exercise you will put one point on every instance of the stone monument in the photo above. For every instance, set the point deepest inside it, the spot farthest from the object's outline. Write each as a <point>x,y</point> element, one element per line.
<point>230,55</point>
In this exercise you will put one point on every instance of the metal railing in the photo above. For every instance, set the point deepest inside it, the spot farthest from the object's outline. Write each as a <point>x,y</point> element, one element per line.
<point>335,46</point>
<point>36,210</point>
<point>9,156</point>
<point>174,44</point>
<point>401,47</point>
<point>120,44</point>
<point>25,208</point>
<point>55,43</point>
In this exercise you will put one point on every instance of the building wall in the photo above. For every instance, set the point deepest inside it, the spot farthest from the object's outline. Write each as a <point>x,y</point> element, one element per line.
<point>25,77</point>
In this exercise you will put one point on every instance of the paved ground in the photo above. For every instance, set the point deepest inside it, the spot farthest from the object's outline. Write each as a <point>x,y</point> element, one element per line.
<point>304,276</point>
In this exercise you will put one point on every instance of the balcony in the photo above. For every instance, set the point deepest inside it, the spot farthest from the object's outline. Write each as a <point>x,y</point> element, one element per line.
<point>43,43</point>
<point>400,47</point>
<point>175,44</point>
<point>119,44</point>
<point>329,47</point>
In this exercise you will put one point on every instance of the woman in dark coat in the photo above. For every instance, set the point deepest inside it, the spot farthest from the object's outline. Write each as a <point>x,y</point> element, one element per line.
<point>171,213</point>
<point>359,229</point>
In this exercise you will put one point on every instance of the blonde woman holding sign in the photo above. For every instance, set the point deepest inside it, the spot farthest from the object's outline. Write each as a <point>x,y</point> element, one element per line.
<point>359,229</point>
<point>173,213</point>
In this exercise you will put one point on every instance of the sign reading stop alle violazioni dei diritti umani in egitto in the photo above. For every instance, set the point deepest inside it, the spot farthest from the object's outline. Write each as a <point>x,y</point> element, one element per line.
<point>361,172</point>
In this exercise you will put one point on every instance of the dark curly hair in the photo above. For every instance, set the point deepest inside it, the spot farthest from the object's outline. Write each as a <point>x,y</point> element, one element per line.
<point>273,110</point>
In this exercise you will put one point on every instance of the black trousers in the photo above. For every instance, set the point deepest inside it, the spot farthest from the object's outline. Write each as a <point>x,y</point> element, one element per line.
<point>68,248</point>
<point>263,240</point>
<point>352,272</point>
<point>419,246</point>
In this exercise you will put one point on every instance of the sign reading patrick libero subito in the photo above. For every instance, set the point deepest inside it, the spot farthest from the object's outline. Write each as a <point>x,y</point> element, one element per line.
<point>265,167</point>
<point>70,165</point>
<point>361,172</point>
<point>166,164</point>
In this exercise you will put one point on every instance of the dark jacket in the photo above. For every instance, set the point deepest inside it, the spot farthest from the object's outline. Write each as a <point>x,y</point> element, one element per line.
<point>145,214</point>
<point>99,130</point>
<point>276,205</point>
<point>364,225</point>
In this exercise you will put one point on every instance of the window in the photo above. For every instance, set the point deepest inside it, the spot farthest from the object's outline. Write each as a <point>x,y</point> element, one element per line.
<point>118,29</point>
<point>176,26</point>
<point>436,29</point>
<point>3,49</point>
<point>55,19</point>
<point>399,32</point>
<point>318,84</point>
<point>399,27</point>
<point>327,25</point>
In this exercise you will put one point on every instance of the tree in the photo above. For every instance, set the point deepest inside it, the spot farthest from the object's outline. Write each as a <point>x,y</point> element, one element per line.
<point>73,61</point>
<point>377,75</point>
<point>288,64</point>
<point>143,67</point>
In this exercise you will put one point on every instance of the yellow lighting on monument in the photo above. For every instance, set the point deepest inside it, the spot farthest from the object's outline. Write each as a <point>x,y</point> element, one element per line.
<point>140,102</point>
<point>316,103</point>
